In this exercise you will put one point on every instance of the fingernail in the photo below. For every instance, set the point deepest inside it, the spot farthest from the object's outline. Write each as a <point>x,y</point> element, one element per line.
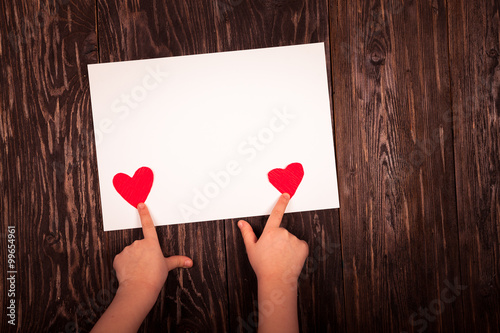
<point>188,263</point>
<point>141,206</point>
<point>286,195</point>
<point>240,224</point>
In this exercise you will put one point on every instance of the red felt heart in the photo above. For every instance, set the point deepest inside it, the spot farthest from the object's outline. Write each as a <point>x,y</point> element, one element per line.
<point>287,180</point>
<point>136,189</point>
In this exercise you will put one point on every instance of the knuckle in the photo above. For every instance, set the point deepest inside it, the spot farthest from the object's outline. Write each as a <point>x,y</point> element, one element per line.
<point>282,231</point>
<point>116,260</point>
<point>306,247</point>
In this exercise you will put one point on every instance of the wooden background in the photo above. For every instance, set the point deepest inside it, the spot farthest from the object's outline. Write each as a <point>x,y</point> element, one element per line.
<point>415,90</point>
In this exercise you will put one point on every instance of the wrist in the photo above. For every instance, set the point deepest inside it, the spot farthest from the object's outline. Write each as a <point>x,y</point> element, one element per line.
<point>139,294</point>
<point>284,281</point>
<point>278,287</point>
<point>277,306</point>
<point>145,287</point>
<point>128,309</point>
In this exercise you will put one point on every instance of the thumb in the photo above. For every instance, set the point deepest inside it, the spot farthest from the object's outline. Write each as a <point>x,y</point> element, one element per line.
<point>247,233</point>
<point>178,262</point>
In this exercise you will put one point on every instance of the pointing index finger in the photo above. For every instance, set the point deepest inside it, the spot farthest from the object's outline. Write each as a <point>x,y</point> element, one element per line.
<point>274,220</point>
<point>148,227</point>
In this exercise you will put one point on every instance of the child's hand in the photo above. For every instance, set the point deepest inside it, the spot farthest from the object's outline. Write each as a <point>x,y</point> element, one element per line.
<point>141,270</point>
<point>142,264</point>
<point>278,256</point>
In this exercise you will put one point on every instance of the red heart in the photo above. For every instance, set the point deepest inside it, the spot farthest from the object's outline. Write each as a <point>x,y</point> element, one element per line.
<point>287,180</point>
<point>136,189</point>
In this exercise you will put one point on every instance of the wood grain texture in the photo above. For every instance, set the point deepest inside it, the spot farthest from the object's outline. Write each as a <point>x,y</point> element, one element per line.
<point>257,24</point>
<point>49,188</point>
<point>193,300</point>
<point>395,165</point>
<point>475,74</point>
<point>415,89</point>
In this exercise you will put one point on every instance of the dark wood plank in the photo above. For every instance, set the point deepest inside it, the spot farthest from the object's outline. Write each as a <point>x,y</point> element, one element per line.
<point>257,24</point>
<point>194,299</point>
<point>49,188</point>
<point>475,75</point>
<point>395,166</point>
<point>394,143</point>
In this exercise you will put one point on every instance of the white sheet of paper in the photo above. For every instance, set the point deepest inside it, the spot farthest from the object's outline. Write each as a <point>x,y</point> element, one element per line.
<point>211,127</point>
